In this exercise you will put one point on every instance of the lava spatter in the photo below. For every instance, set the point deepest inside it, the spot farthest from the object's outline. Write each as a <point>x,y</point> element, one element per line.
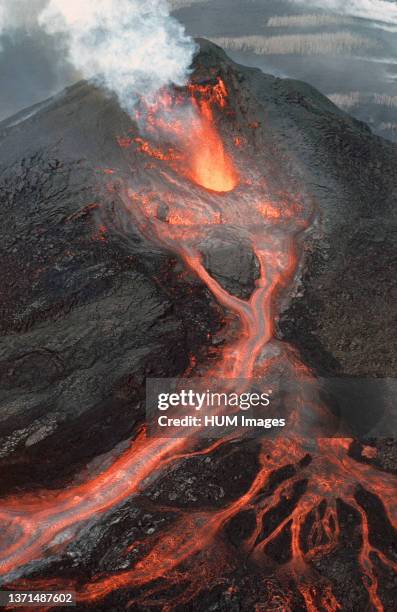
<point>302,501</point>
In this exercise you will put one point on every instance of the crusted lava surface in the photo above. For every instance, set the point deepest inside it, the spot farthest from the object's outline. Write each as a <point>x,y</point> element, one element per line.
<point>108,278</point>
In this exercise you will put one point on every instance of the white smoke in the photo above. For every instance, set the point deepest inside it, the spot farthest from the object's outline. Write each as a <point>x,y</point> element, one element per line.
<point>131,47</point>
<point>19,14</point>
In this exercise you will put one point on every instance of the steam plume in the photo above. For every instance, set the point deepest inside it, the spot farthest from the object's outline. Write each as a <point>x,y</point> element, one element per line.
<point>132,47</point>
<point>19,14</point>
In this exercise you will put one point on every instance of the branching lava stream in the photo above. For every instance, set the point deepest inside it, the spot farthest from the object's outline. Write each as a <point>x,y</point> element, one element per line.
<point>204,190</point>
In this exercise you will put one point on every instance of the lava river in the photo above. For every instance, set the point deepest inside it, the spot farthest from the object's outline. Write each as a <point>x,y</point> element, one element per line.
<point>197,185</point>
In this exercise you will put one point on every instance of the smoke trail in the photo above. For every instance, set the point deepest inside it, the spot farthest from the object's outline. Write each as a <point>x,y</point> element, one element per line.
<point>19,14</point>
<point>131,47</point>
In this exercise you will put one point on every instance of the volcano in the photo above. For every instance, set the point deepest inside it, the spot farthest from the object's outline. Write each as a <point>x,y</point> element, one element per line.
<point>240,224</point>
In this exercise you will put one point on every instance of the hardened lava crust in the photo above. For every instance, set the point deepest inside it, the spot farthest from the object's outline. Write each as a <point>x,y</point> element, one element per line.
<point>90,307</point>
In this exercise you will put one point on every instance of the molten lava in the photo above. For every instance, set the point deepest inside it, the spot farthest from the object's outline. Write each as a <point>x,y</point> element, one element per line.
<point>190,125</point>
<point>295,496</point>
<point>210,165</point>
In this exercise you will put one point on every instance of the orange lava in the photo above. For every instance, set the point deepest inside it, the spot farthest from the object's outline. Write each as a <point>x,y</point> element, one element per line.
<point>145,147</point>
<point>210,165</point>
<point>202,156</point>
<point>302,505</point>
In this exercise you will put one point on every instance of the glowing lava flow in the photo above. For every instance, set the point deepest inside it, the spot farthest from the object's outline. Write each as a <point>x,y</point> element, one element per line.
<point>202,156</point>
<point>210,165</point>
<point>302,504</point>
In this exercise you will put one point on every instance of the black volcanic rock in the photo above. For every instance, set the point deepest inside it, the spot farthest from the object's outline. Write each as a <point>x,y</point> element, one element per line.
<point>89,313</point>
<point>231,261</point>
<point>343,310</point>
<point>86,314</point>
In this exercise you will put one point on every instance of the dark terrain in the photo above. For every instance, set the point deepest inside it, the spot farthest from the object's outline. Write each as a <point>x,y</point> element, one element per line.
<point>362,72</point>
<point>87,314</point>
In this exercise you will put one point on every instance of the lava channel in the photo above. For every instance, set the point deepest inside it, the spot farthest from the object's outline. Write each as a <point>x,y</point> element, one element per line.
<point>303,505</point>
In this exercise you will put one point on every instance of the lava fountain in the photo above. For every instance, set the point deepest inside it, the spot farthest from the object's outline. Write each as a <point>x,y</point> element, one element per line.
<point>191,188</point>
<point>210,165</point>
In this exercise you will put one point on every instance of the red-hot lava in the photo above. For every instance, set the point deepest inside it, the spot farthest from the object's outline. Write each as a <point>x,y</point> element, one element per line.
<point>210,165</point>
<point>302,505</point>
<point>201,154</point>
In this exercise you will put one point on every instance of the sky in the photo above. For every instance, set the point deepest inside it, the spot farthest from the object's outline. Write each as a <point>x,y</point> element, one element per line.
<point>347,49</point>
